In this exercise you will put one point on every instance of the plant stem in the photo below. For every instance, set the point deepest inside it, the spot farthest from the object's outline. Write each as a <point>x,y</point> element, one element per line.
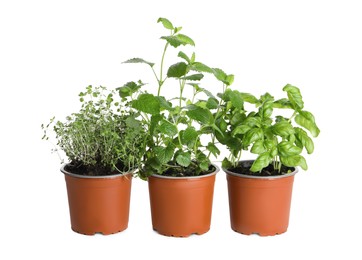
<point>160,81</point>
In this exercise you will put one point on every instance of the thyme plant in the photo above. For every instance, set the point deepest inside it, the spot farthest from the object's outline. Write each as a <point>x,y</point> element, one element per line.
<point>102,138</point>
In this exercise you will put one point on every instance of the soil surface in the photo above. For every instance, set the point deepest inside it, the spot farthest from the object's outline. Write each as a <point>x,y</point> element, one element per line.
<point>89,170</point>
<point>244,168</point>
<point>186,172</point>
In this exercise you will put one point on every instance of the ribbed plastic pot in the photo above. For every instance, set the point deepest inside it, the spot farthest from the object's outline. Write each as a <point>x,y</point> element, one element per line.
<point>98,204</point>
<point>181,206</point>
<point>259,205</point>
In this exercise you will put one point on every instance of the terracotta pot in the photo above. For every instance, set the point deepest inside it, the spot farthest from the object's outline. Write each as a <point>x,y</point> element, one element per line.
<point>98,204</point>
<point>181,206</point>
<point>259,205</point>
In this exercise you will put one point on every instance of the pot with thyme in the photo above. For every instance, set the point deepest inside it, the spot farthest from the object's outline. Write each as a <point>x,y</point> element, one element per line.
<point>104,144</point>
<point>177,161</point>
<point>260,190</point>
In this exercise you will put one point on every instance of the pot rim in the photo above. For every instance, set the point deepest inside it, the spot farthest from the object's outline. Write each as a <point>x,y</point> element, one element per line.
<point>92,177</point>
<point>188,177</point>
<point>259,177</point>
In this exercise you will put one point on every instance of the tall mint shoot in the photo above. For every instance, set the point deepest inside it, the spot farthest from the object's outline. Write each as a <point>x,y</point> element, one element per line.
<point>175,125</point>
<point>102,138</point>
<point>275,139</point>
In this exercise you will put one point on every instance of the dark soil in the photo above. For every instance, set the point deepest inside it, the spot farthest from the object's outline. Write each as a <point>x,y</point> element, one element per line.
<point>91,170</point>
<point>187,171</point>
<point>244,168</point>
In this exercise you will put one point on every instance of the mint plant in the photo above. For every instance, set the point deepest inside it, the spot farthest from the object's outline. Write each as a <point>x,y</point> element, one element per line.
<point>275,139</point>
<point>103,138</point>
<point>176,125</point>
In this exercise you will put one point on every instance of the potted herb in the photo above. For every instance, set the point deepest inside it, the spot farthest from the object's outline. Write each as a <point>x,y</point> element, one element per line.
<point>177,161</point>
<point>104,144</point>
<point>260,190</point>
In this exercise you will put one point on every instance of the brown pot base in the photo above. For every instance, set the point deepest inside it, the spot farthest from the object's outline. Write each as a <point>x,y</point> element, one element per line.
<point>179,234</point>
<point>98,205</point>
<point>262,234</point>
<point>259,205</point>
<point>181,206</point>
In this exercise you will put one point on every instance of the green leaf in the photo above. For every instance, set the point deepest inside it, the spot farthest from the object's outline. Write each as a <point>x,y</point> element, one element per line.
<point>213,149</point>
<point>253,135</point>
<point>204,165</point>
<point>282,103</point>
<point>222,76</point>
<point>208,93</point>
<point>155,119</point>
<point>177,70</point>
<point>258,147</point>
<point>184,56</point>
<point>283,129</point>
<point>154,163</point>
<point>286,149</point>
<point>184,159</point>
<point>200,67</point>
<point>266,109</point>
<point>177,29</point>
<point>173,41</point>
<point>193,57</point>
<point>235,98</point>
<point>189,136</point>
<point>249,98</point>
<point>199,114</point>
<point>212,103</point>
<point>194,77</point>
<point>240,129</point>
<point>223,125</point>
<point>306,120</point>
<point>166,23</point>
<point>226,164</point>
<point>131,122</point>
<point>147,103</point>
<point>129,88</point>
<point>168,128</point>
<point>185,39</point>
<point>165,104</point>
<point>237,118</point>
<point>139,60</point>
<point>164,154</point>
<point>293,161</point>
<point>294,96</point>
<point>261,162</point>
<point>304,139</point>
<point>252,121</point>
<point>179,39</point>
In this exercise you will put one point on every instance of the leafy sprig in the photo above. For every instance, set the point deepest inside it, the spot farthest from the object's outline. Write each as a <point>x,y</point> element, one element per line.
<point>275,140</point>
<point>103,135</point>
<point>176,125</point>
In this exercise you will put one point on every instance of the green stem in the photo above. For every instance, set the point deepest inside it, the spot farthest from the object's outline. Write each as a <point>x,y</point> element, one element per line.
<point>294,114</point>
<point>182,86</point>
<point>160,81</point>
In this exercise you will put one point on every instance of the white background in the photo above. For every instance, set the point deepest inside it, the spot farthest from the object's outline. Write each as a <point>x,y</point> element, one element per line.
<point>51,50</point>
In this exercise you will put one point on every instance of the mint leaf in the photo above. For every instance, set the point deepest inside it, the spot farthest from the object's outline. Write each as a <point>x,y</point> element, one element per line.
<point>184,159</point>
<point>139,60</point>
<point>147,103</point>
<point>177,70</point>
<point>167,128</point>
<point>166,23</point>
<point>194,77</point>
<point>184,56</point>
<point>185,39</point>
<point>199,114</point>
